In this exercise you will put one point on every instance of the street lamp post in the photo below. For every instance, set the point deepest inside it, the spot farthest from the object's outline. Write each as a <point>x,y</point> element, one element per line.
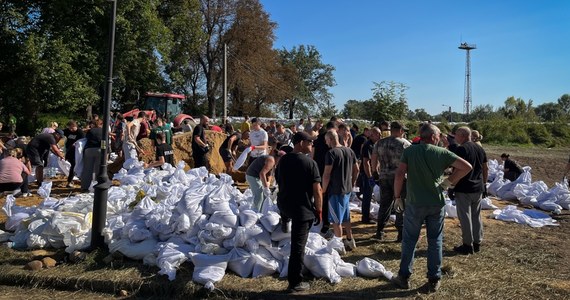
<point>449,106</point>
<point>103,182</point>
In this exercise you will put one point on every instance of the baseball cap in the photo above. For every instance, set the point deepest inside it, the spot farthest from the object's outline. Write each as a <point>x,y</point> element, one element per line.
<point>302,136</point>
<point>398,125</point>
<point>59,131</point>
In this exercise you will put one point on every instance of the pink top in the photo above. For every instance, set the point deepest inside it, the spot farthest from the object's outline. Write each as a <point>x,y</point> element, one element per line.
<point>11,170</point>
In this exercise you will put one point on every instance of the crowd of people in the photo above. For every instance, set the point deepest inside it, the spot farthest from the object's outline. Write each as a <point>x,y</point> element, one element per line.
<point>317,169</point>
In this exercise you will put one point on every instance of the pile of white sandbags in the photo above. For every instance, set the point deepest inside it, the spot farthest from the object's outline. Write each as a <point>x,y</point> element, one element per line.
<point>166,217</point>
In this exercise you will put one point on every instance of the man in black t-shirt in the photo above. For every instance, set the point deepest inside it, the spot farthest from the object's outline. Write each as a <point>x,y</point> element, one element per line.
<point>339,178</point>
<point>468,192</point>
<point>299,182</point>
<point>320,149</point>
<point>366,173</point>
<point>39,147</point>
<point>72,134</point>
<point>199,145</point>
<point>164,152</point>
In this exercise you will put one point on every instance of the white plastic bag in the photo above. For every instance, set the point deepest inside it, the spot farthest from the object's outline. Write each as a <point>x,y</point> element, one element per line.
<point>209,268</point>
<point>241,159</point>
<point>368,267</point>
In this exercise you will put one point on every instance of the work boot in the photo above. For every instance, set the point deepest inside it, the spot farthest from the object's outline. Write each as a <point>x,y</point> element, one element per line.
<point>464,249</point>
<point>476,247</point>
<point>433,285</point>
<point>401,282</point>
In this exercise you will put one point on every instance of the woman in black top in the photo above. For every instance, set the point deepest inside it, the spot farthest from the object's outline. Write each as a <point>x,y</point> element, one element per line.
<point>72,134</point>
<point>512,169</point>
<point>91,154</point>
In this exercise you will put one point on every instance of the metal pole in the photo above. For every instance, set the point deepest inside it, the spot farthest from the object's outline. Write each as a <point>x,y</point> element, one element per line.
<point>450,120</point>
<point>225,84</point>
<point>103,182</point>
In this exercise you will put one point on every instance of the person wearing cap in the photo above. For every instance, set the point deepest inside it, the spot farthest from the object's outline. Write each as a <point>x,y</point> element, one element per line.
<point>38,149</point>
<point>384,162</point>
<point>258,139</point>
<point>299,183</point>
<point>424,165</point>
<point>339,178</point>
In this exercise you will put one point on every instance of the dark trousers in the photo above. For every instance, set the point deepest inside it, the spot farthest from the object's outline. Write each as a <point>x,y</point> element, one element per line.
<point>11,186</point>
<point>326,223</point>
<point>299,235</point>
<point>71,159</point>
<point>387,204</point>
<point>366,190</point>
<point>199,160</point>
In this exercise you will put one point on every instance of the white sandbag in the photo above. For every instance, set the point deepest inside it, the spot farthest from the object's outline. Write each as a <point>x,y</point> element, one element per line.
<point>133,250</point>
<point>226,218</point>
<point>136,231</point>
<point>321,265</point>
<point>150,260</point>
<point>218,199</point>
<point>248,218</point>
<point>169,259</point>
<point>4,236</point>
<point>158,221</point>
<point>316,242</point>
<point>15,220</point>
<point>270,221</point>
<point>209,268</point>
<point>371,268</point>
<point>79,147</point>
<point>45,189</point>
<point>335,244</point>
<point>36,241</point>
<point>528,200</point>
<point>241,262</point>
<point>284,268</point>
<point>376,193</point>
<point>450,209</point>
<point>265,264</point>
<point>241,159</point>
<point>278,234</point>
<point>214,233</point>
<point>210,249</point>
<point>511,214</point>
<point>499,181</point>
<point>487,203</point>
<point>64,166</point>
<point>345,269</point>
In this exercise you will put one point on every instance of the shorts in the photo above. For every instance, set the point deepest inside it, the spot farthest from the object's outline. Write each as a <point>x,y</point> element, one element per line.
<point>226,155</point>
<point>34,156</point>
<point>339,208</point>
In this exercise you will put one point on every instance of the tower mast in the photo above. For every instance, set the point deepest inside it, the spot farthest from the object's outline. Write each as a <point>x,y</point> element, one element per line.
<point>467,93</point>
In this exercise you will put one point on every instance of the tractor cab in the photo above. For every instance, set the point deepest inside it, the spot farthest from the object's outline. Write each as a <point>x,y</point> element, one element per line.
<point>167,106</point>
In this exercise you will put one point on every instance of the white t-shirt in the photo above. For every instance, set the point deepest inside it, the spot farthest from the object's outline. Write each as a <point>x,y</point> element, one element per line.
<point>257,138</point>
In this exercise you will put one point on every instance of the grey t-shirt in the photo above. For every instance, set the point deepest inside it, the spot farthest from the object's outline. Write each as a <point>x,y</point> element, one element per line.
<point>342,160</point>
<point>256,167</point>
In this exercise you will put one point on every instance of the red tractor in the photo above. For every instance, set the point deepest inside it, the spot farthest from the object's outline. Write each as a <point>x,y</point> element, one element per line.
<point>167,106</point>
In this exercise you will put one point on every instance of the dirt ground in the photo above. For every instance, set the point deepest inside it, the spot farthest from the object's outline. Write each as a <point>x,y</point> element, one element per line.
<point>516,261</point>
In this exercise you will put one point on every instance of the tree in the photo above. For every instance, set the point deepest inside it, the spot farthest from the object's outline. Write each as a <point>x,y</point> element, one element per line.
<point>254,79</point>
<point>564,103</point>
<point>481,112</point>
<point>517,108</point>
<point>390,101</point>
<point>549,112</point>
<point>419,114</point>
<point>311,83</point>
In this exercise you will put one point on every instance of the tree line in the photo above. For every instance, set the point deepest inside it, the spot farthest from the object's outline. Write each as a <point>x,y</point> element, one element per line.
<point>53,58</point>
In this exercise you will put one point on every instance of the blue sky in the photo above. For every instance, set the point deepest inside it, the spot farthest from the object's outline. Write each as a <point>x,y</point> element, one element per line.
<point>523,47</point>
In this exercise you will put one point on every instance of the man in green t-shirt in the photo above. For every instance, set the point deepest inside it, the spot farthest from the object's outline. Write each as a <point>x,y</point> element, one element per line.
<point>161,127</point>
<point>12,124</point>
<point>424,164</point>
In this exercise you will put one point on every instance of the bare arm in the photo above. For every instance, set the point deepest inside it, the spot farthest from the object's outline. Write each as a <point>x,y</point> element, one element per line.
<point>56,151</point>
<point>460,168</point>
<point>373,163</point>
<point>326,177</point>
<point>263,146</point>
<point>355,170</point>
<point>199,141</point>
<point>264,175</point>
<point>399,179</point>
<point>157,163</point>
<point>367,167</point>
<point>318,196</point>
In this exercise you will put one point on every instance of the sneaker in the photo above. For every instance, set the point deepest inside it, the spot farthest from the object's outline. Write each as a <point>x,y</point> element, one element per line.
<point>26,195</point>
<point>302,286</point>
<point>349,244</point>
<point>379,236</point>
<point>433,285</point>
<point>401,282</point>
<point>464,249</point>
<point>70,185</point>
<point>476,247</point>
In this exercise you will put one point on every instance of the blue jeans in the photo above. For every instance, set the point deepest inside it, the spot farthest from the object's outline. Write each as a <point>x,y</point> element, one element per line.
<point>414,217</point>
